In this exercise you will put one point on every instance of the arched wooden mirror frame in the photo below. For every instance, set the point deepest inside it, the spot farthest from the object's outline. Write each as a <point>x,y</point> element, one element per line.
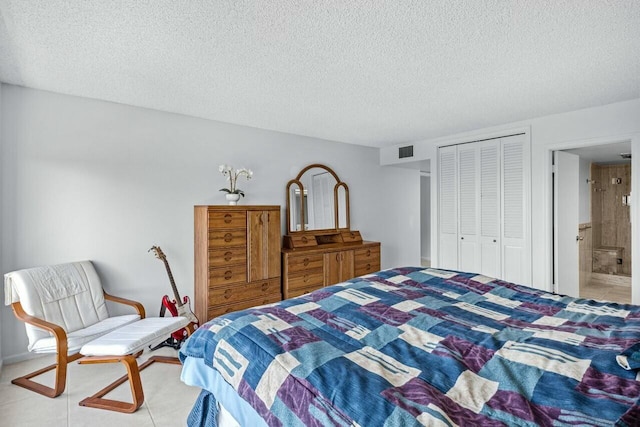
<point>301,207</point>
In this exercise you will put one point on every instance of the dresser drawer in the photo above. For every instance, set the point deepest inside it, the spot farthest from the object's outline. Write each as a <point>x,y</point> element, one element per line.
<point>302,241</point>
<point>227,220</point>
<point>367,254</point>
<point>306,279</point>
<point>242,292</point>
<point>351,236</point>
<point>304,262</point>
<point>367,260</point>
<point>227,275</point>
<point>225,238</point>
<point>303,291</point>
<point>369,267</point>
<point>226,256</point>
<point>228,308</point>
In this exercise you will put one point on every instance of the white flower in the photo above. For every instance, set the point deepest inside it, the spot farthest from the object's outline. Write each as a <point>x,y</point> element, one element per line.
<point>232,176</point>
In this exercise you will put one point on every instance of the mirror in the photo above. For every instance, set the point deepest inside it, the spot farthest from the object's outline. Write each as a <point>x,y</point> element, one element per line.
<point>317,200</point>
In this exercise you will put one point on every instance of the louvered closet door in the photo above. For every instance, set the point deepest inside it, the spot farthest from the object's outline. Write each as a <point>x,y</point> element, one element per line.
<point>515,250</point>
<point>490,257</point>
<point>468,192</point>
<point>448,214</point>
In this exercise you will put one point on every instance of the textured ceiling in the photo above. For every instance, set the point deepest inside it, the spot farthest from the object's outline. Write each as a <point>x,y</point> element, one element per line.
<point>366,72</point>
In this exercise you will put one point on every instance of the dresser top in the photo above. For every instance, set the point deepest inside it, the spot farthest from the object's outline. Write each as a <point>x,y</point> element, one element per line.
<point>238,207</point>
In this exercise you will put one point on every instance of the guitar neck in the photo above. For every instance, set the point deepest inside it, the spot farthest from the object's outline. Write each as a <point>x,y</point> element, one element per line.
<point>176,295</point>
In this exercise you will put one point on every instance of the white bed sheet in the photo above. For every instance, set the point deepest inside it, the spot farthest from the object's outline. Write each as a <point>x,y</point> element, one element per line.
<point>196,373</point>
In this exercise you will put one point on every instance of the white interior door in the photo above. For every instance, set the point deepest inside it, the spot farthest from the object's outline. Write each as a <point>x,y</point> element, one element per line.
<point>566,217</point>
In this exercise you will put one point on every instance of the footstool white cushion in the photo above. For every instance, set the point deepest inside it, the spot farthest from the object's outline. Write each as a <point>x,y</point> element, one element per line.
<point>134,337</point>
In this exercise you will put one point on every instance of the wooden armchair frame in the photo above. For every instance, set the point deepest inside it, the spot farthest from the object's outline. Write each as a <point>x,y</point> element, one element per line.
<point>62,356</point>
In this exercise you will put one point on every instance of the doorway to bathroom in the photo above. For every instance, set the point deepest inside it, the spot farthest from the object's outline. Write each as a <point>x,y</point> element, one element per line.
<point>592,199</point>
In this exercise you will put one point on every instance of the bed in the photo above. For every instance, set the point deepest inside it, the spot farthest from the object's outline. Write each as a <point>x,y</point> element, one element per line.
<point>414,346</point>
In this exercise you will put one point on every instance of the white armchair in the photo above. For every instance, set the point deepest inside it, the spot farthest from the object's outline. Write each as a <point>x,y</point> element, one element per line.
<point>63,307</point>
<point>65,312</point>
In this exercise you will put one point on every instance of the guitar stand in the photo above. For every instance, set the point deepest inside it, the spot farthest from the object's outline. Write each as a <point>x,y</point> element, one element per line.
<point>169,342</point>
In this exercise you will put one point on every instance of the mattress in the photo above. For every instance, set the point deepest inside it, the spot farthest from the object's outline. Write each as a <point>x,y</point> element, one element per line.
<point>414,346</point>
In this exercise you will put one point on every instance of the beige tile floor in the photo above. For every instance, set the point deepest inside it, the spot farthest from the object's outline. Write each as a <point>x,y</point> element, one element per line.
<point>167,401</point>
<point>604,292</point>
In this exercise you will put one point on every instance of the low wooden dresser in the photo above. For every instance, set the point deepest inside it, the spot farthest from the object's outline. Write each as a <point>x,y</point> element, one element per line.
<point>237,258</point>
<point>314,261</point>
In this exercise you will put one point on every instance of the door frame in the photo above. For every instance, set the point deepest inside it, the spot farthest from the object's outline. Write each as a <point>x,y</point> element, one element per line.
<point>634,139</point>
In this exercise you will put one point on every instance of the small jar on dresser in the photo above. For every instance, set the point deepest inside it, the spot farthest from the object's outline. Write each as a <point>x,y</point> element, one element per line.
<point>237,258</point>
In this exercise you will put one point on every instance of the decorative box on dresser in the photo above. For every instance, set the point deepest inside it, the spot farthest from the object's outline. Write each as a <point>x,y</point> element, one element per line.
<point>320,263</point>
<point>237,258</point>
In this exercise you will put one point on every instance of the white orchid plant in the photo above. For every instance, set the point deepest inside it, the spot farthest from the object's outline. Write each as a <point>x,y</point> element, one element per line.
<point>232,176</point>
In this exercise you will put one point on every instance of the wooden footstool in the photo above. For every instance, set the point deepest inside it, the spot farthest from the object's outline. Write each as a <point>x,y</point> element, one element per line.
<point>125,345</point>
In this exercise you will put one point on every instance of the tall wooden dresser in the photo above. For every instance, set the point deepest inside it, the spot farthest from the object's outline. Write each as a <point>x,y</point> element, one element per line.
<point>237,258</point>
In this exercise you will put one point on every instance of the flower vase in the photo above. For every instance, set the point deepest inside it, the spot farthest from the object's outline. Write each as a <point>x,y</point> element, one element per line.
<point>232,198</point>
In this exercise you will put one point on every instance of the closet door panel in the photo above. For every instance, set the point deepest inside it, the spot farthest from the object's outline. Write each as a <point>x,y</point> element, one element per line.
<point>513,264</point>
<point>515,238</point>
<point>490,260</point>
<point>448,212</point>
<point>468,198</point>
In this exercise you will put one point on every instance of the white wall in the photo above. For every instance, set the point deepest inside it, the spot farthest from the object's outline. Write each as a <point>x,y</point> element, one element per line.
<point>585,189</point>
<point>609,123</point>
<point>85,179</point>
<point>1,210</point>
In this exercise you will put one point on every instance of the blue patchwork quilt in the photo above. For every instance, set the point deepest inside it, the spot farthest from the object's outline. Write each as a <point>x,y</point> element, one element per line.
<point>413,346</point>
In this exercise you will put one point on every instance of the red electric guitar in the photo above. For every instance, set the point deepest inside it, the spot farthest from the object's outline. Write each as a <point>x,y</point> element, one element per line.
<point>177,307</point>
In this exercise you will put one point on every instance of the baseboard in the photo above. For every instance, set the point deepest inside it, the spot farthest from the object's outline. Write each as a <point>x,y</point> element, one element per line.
<point>20,358</point>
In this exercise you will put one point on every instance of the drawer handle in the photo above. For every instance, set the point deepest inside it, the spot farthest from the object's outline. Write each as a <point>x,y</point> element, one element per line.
<point>368,266</point>
<point>265,286</point>
<point>228,256</point>
<point>306,262</point>
<point>368,252</point>
<point>227,294</point>
<point>227,218</point>
<point>306,278</point>
<point>228,237</point>
<point>304,239</point>
<point>353,235</point>
<point>338,257</point>
<point>228,274</point>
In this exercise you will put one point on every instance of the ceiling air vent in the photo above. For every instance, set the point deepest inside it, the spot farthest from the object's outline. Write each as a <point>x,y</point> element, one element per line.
<point>625,155</point>
<point>404,152</point>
